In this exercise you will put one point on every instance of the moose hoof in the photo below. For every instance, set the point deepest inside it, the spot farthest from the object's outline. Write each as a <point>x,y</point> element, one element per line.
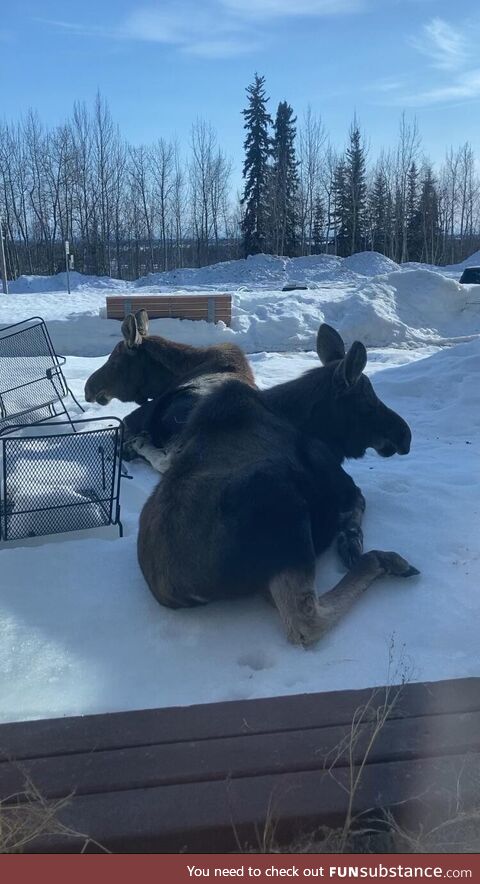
<point>306,629</point>
<point>128,453</point>
<point>132,448</point>
<point>395,565</point>
<point>350,546</point>
<point>303,637</point>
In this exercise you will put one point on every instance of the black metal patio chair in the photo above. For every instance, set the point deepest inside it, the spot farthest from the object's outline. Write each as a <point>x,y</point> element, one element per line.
<point>32,384</point>
<point>60,477</point>
<point>53,478</point>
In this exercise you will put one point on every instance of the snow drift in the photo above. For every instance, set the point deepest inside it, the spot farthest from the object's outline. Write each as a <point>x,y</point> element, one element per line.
<point>395,309</point>
<point>400,308</point>
<point>271,271</point>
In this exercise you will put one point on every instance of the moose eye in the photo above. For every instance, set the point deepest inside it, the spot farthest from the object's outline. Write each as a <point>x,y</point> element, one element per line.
<point>367,400</point>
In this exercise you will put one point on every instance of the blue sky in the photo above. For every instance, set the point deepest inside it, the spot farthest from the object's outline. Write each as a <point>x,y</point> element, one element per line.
<point>162,63</point>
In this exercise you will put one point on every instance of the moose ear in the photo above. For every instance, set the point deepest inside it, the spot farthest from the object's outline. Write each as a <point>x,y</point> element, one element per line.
<point>130,331</point>
<point>142,322</point>
<point>350,368</point>
<point>330,346</point>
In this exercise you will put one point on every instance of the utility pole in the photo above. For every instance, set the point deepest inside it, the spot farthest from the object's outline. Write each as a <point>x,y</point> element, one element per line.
<point>67,263</point>
<point>3,262</point>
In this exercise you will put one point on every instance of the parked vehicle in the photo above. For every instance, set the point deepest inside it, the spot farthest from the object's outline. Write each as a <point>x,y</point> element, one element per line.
<point>471,275</point>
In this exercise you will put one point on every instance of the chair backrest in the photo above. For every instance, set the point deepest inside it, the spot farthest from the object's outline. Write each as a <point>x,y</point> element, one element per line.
<point>31,377</point>
<point>60,477</point>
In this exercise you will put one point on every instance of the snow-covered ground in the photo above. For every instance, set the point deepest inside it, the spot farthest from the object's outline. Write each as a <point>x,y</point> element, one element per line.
<point>79,630</point>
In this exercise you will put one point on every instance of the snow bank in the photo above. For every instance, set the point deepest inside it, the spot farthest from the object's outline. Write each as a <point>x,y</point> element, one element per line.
<point>400,307</point>
<point>396,309</point>
<point>58,283</point>
<point>257,270</point>
<point>472,261</point>
<point>452,270</point>
<point>274,271</point>
<point>369,264</point>
<point>254,270</point>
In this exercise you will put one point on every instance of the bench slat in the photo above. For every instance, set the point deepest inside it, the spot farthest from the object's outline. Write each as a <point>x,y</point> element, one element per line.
<point>209,307</point>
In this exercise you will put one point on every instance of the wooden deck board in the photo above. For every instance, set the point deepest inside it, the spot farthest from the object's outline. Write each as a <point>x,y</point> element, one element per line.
<point>190,778</point>
<point>211,816</point>
<point>145,767</point>
<point>53,736</point>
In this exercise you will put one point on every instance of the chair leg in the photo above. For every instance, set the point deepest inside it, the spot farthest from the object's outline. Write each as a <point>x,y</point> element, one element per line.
<point>75,400</point>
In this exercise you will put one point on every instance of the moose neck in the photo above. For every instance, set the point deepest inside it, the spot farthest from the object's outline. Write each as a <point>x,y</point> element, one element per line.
<point>180,361</point>
<point>306,403</point>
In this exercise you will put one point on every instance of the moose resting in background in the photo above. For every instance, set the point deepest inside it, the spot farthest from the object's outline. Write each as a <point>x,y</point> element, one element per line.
<point>145,367</point>
<point>256,487</point>
<point>172,376</point>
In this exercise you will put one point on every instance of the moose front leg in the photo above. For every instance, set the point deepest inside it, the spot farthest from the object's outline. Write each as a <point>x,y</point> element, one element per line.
<point>307,617</point>
<point>350,535</point>
<point>137,426</point>
<point>158,458</point>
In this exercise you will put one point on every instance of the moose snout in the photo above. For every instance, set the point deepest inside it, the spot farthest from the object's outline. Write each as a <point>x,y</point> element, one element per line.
<point>94,393</point>
<point>394,436</point>
<point>405,439</point>
<point>404,448</point>
<point>400,436</point>
<point>89,392</point>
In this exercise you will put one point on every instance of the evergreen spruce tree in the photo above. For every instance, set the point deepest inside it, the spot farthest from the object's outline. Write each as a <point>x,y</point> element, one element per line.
<point>390,221</point>
<point>255,168</point>
<point>356,186</point>
<point>429,218</point>
<point>379,208</point>
<point>414,228</point>
<point>398,210</point>
<point>284,182</point>
<point>340,209</point>
<point>317,245</point>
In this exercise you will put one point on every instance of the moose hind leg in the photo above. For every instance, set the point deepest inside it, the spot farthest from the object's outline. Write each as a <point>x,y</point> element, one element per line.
<point>293,593</point>
<point>306,617</point>
<point>350,535</point>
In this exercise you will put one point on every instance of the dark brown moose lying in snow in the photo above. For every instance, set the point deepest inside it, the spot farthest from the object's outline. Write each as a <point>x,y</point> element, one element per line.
<point>255,488</point>
<point>164,377</point>
<point>143,366</point>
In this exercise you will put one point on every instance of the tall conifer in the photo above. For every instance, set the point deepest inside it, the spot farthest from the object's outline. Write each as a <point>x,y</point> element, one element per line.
<point>356,185</point>
<point>284,181</point>
<point>255,168</point>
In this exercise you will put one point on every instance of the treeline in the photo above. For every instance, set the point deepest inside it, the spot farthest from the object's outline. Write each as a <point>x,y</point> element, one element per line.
<point>129,210</point>
<point>125,210</point>
<point>304,196</point>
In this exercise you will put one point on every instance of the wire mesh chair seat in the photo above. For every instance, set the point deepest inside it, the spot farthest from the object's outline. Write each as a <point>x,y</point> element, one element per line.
<point>32,383</point>
<point>59,478</point>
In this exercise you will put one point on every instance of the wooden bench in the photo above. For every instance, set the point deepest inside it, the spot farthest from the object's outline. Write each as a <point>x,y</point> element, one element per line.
<point>210,307</point>
<point>209,778</point>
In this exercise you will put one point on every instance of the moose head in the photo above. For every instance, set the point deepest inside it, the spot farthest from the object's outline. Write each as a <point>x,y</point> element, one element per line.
<point>357,415</point>
<point>143,366</point>
<point>124,375</point>
<point>338,405</point>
